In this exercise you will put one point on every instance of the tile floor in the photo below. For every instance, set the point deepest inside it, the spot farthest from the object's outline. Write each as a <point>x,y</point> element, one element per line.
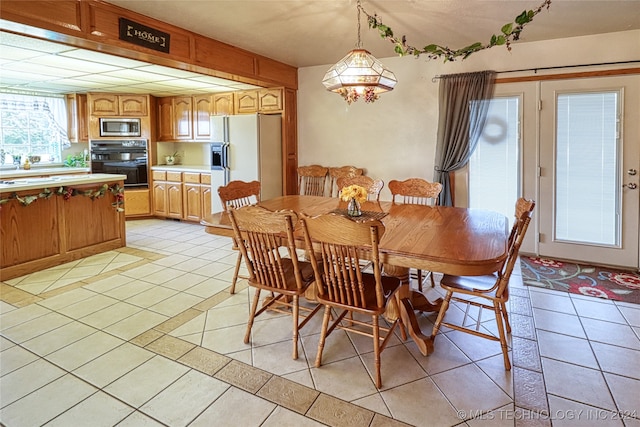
<point>149,336</point>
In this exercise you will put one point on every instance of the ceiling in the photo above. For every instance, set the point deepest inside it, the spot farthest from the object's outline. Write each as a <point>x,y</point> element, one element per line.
<point>300,33</point>
<point>32,65</point>
<point>304,33</point>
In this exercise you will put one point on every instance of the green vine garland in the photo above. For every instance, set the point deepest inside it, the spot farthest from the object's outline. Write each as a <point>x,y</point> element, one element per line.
<point>68,192</point>
<point>508,33</point>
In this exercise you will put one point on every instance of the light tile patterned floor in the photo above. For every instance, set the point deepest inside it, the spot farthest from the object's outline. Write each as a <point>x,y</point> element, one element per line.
<point>149,335</point>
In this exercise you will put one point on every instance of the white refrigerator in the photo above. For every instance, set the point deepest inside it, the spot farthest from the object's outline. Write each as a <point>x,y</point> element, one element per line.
<point>253,152</point>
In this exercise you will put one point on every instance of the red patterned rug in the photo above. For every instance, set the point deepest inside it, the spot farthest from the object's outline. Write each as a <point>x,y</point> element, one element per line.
<point>600,282</point>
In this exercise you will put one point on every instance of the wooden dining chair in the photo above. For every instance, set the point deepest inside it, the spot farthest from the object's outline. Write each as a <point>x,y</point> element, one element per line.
<point>237,194</point>
<point>490,291</point>
<point>373,186</point>
<point>340,172</point>
<point>416,191</point>
<point>341,285</point>
<point>312,180</point>
<point>263,235</point>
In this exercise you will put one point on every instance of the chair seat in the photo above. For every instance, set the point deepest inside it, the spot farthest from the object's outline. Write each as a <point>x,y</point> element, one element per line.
<point>389,286</point>
<point>470,284</point>
<point>306,271</point>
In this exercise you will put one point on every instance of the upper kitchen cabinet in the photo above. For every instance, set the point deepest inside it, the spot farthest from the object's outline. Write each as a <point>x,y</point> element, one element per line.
<point>183,116</point>
<point>175,118</point>
<point>77,117</point>
<point>106,104</point>
<point>270,100</point>
<point>165,119</point>
<point>246,102</point>
<point>259,101</point>
<point>202,110</point>
<point>187,118</point>
<point>223,104</point>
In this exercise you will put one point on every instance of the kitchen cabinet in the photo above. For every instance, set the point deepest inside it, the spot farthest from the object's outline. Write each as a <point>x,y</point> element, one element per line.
<point>259,101</point>
<point>205,194</point>
<point>165,119</point>
<point>270,100</point>
<point>181,195</point>
<point>196,195</point>
<point>175,118</point>
<point>246,102</point>
<point>137,202</point>
<point>183,117</point>
<point>106,104</point>
<point>167,194</point>
<point>77,117</point>
<point>223,104</point>
<point>202,110</point>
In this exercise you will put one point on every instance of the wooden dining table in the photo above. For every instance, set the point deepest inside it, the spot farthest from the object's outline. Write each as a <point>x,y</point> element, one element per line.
<point>443,239</point>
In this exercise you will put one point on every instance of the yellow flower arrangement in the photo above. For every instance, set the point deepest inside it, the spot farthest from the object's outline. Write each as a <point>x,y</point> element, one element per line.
<point>354,192</point>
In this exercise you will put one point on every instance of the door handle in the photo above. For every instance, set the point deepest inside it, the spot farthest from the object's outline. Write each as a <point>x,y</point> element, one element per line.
<point>631,185</point>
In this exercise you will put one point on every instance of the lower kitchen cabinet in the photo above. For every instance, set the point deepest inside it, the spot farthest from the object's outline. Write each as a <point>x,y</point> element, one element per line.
<point>182,195</point>
<point>137,202</point>
<point>167,194</point>
<point>192,199</point>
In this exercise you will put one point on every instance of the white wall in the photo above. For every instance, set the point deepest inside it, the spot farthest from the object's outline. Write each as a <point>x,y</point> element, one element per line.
<point>394,137</point>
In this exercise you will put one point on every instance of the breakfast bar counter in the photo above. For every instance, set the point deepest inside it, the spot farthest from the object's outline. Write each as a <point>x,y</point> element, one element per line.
<point>47,221</point>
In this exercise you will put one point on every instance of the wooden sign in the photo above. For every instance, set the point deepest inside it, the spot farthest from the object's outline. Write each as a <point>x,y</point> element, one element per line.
<point>144,36</point>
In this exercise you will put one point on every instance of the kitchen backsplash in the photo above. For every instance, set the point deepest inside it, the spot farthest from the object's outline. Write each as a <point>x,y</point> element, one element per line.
<point>189,153</point>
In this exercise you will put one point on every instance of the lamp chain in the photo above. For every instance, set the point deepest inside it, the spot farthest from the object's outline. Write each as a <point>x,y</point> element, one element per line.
<point>359,45</point>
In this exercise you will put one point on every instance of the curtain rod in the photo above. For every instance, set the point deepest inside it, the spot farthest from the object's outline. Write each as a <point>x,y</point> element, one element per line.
<point>558,67</point>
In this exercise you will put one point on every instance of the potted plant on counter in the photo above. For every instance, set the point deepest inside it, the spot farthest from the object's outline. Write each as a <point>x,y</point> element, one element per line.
<point>172,159</point>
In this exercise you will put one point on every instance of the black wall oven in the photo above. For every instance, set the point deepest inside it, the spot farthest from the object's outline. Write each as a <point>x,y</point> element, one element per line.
<point>125,157</point>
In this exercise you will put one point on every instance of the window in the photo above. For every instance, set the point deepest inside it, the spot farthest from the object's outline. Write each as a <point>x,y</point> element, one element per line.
<point>586,168</point>
<point>494,172</point>
<point>32,126</point>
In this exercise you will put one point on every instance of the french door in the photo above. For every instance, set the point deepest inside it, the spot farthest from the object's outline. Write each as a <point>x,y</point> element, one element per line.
<point>589,169</point>
<point>578,157</point>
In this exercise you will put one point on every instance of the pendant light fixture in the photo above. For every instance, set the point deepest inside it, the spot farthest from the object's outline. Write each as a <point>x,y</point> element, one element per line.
<point>359,74</point>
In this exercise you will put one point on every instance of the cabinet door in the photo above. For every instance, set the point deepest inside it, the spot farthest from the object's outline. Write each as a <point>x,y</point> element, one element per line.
<point>103,104</point>
<point>182,113</point>
<point>223,104</point>
<point>246,102</point>
<point>205,193</point>
<point>165,119</point>
<point>174,200</point>
<point>136,202</point>
<point>159,199</point>
<point>72,116</point>
<point>133,105</point>
<point>202,110</point>
<point>192,202</point>
<point>83,118</point>
<point>270,100</point>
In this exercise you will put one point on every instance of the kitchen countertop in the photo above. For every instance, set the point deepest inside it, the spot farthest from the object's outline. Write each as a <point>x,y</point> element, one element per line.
<point>37,171</point>
<point>182,168</point>
<point>28,183</point>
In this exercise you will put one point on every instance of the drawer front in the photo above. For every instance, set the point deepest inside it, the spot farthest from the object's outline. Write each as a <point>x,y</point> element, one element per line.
<point>174,176</point>
<point>191,177</point>
<point>159,175</point>
<point>205,178</point>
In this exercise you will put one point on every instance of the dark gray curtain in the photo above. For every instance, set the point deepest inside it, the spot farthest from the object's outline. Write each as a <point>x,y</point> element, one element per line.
<point>463,104</point>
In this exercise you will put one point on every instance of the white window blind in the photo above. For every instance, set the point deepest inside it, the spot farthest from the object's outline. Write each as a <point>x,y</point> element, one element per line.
<point>494,172</point>
<point>586,193</point>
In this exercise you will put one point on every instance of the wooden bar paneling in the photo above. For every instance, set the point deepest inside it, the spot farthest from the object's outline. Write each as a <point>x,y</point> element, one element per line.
<point>52,231</point>
<point>97,21</point>
<point>42,239</point>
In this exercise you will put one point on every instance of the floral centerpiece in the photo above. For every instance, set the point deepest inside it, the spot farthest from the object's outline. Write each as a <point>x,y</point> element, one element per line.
<point>354,194</point>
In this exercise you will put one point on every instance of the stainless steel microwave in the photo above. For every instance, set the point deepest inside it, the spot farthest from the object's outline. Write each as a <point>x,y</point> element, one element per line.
<point>119,127</point>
